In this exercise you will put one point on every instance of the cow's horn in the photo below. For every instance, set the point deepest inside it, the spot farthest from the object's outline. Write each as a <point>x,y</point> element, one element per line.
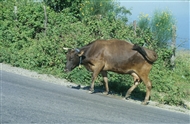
<point>65,48</point>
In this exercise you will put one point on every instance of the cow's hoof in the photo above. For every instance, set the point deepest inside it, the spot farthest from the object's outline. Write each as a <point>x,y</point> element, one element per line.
<point>124,99</point>
<point>91,91</point>
<point>144,103</point>
<point>105,93</point>
<point>127,97</point>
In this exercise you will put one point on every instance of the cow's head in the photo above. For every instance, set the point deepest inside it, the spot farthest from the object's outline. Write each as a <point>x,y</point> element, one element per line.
<point>73,59</point>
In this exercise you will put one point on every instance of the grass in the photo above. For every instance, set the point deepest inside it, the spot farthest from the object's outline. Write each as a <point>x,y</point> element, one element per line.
<point>182,75</point>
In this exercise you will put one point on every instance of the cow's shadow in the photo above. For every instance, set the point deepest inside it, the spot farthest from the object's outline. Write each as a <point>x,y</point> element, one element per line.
<point>97,89</point>
<point>119,90</point>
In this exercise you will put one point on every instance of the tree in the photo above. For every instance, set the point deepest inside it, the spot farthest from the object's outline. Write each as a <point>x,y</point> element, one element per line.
<point>144,21</point>
<point>96,8</point>
<point>105,8</point>
<point>59,5</point>
<point>161,26</point>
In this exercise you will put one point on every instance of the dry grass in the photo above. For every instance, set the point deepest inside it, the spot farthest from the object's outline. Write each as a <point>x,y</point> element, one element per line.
<point>184,54</point>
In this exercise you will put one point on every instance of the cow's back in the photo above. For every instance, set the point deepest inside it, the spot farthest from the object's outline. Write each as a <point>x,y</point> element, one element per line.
<point>113,48</point>
<point>118,50</point>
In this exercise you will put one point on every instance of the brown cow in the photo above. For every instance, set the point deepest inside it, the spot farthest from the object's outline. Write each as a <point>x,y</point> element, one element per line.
<point>117,56</point>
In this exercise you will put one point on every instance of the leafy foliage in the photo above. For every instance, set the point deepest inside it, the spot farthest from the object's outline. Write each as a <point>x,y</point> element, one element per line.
<point>26,42</point>
<point>144,21</point>
<point>172,86</point>
<point>59,5</point>
<point>103,9</point>
<point>160,25</point>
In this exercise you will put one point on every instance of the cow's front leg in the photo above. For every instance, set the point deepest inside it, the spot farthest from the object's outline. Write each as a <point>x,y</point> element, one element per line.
<point>96,70</point>
<point>91,90</point>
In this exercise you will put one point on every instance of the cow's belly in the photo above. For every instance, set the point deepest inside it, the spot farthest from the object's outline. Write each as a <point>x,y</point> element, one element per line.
<point>127,66</point>
<point>118,68</point>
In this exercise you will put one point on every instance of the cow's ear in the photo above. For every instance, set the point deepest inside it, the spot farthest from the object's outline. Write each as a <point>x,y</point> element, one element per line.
<point>80,53</point>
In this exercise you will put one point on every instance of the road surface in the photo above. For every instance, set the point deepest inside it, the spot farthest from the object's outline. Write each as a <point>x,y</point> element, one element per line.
<point>28,100</point>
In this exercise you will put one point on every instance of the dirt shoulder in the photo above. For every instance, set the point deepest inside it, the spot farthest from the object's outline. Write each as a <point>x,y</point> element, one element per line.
<point>52,79</point>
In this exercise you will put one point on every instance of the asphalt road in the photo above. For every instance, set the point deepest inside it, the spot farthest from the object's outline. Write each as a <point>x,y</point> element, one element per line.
<point>27,100</point>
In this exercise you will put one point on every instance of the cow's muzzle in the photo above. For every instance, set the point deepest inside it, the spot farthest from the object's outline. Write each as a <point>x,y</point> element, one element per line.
<point>66,70</point>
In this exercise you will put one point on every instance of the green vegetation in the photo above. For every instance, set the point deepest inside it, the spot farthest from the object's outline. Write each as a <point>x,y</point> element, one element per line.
<point>160,25</point>
<point>31,41</point>
<point>173,86</point>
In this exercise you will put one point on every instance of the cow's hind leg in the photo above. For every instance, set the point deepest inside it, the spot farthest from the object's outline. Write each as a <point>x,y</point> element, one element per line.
<point>136,83</point>
<point>105,77</point>
<point>148,85</point>
<point>131,89</point>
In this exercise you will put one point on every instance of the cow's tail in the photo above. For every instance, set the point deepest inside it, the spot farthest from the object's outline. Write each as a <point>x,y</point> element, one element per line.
<point>149,55</point>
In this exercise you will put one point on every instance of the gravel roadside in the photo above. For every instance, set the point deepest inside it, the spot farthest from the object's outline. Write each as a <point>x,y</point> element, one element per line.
<point>52,79</point>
